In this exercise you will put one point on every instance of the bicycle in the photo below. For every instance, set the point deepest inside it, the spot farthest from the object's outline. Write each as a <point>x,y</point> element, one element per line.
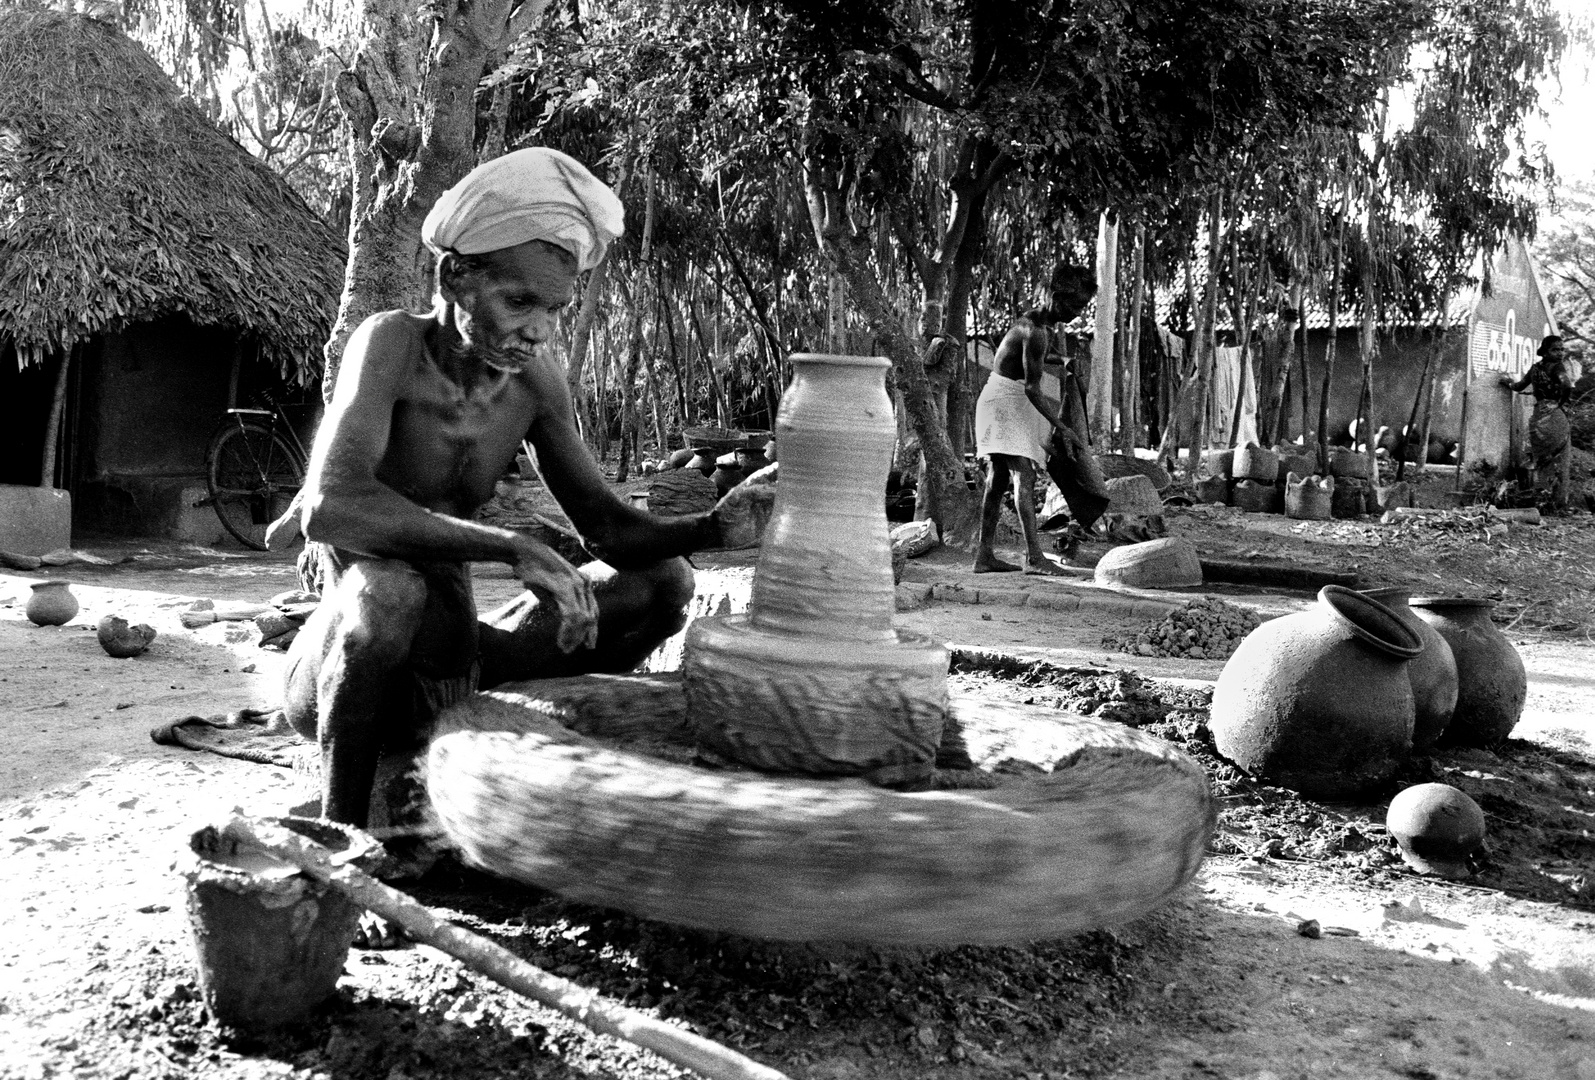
<point>253,469</point>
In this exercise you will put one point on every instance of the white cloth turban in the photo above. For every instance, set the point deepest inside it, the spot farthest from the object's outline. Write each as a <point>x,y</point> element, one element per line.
<point>532,194</point>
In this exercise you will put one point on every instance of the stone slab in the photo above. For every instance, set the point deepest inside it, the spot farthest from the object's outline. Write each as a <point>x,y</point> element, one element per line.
<point>34,520</point>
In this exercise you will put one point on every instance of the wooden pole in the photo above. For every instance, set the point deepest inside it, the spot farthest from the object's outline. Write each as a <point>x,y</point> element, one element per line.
<point>587,1007</point>
<point>52,428</point>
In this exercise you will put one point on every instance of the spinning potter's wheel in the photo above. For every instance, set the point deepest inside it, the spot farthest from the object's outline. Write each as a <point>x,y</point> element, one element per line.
<point>743,794</point>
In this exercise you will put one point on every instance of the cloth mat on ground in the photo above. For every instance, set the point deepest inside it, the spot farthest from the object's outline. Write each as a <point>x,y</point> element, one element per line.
<point>258,735</point>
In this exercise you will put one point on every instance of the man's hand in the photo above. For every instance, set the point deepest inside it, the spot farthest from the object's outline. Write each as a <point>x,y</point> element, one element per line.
<point>741,516</point>
<point>555,580</point>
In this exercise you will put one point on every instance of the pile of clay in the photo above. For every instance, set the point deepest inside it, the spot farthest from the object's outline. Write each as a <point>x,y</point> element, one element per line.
<point>1205,629</point>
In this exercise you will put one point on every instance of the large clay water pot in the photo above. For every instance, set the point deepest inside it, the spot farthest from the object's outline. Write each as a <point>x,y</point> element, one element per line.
<point>1309,498</point>
<point>1433,672</point>
<point>1320,701</point>
<point>52,604</point>
<point>814,678</point>
<point>1491,682</point>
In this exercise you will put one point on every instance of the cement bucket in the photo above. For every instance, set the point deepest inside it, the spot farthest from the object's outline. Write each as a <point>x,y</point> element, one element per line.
<point>269,942</point>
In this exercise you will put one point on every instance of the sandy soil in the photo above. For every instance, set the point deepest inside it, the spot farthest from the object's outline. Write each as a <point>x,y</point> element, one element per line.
<point>1416,978</point>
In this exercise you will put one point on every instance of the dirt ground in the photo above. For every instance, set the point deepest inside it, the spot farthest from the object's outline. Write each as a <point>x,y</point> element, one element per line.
<point>1412,978</point>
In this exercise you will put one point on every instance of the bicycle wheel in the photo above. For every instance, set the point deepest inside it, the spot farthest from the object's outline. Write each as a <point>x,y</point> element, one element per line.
<point>253,474</point>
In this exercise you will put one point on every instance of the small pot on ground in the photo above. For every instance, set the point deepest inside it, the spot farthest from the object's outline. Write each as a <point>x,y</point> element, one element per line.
<point>52,604</point>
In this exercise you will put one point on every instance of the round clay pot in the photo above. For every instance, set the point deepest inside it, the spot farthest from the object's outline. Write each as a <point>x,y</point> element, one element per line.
<point>751,461</point>
<point>1320,701</point>
<point>702,459</point>
<point>679,458</point>
<point>1436,827</point>
<point>1348,463</point>
<point>1252,462</point>
<point>1491,682</point>
<point>1256,497</point>
<point>1309,498</point>
<point>1350,498</point>
<point>121,640</point>
<point>727,474</point>
<point>52,604</point>
<point>1433,672</point>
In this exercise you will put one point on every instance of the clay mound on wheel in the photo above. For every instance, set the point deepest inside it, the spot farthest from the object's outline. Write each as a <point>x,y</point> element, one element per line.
<point>1060,824</point>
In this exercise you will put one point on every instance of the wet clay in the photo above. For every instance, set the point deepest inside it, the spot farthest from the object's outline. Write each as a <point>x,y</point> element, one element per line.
<point>269,942</point>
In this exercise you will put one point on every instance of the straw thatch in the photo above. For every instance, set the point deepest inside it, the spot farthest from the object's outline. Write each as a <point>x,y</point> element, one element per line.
<point>120,202</point>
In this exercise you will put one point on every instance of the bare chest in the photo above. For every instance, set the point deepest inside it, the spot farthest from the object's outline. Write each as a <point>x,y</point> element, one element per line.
<point>448,444</point>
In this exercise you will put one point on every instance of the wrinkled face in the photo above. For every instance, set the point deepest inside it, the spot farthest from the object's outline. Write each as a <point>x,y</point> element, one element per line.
<point>507,302</point>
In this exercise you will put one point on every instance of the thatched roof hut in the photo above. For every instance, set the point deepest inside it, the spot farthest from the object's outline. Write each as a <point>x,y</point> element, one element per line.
<point>121,203</point>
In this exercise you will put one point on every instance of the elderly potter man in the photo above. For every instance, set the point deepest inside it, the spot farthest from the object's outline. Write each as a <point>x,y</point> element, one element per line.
<point>428,411</point>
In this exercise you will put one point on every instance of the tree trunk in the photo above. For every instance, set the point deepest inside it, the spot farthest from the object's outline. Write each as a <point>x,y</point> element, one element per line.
<point>410,99</point>
<point>1129,410</point>
<point>1204,337</point>
<point>1100,392</point>
<point>1332,345</point>
<point>52,426</point>
<point>950,503</point>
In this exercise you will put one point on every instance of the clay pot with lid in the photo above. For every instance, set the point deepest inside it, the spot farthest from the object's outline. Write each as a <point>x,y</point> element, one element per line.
<point>1320,701</point>
<point>1433,672</point>
<point>52,604</point>
<point>1491,682</point>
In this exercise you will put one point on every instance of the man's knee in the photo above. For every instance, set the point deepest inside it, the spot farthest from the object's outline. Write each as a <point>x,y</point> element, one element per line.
<point>674,585</point>
<point>378,605</point>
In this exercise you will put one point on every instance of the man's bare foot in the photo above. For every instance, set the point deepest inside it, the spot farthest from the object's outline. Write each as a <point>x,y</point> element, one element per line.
<point>990,564</point>
<point>375,932</point>
<point>1044,567</point>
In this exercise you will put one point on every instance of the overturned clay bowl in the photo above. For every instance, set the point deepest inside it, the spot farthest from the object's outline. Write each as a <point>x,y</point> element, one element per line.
<point>1038,823</point>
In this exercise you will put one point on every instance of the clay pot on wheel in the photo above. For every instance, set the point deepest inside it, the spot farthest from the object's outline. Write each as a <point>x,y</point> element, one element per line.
<point>1320,701</point>
<point>1433,672</point>
<point>52,604</point>
<point>1491,682</point>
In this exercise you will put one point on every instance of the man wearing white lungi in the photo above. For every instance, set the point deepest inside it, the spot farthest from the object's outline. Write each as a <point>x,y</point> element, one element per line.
<point>1015,421</point>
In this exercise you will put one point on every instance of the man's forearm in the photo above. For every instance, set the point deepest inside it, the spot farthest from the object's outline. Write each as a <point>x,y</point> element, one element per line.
<point>396,528</point>
<point>644,539</point>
